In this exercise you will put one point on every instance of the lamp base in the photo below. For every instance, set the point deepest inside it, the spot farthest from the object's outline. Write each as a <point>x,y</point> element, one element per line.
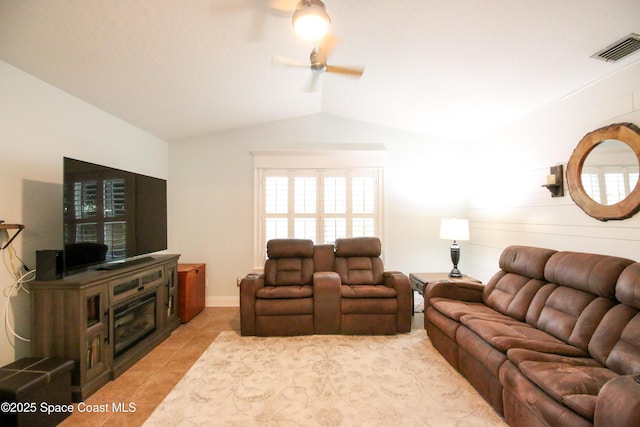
<point>455,257</point>
<point>455,272</point>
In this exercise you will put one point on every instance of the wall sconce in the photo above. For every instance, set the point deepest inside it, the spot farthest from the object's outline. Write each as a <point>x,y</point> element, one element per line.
<point>555,183</point>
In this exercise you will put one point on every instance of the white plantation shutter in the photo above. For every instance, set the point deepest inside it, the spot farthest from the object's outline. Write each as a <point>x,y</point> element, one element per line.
<point>276,228</point>
<point>304,197</point>
<point>363,194</point>
<point>633,178</point>
<point>614,183</point>
<point>609,184</point>
<point>334,228</point>
<point>318,204</point>
<point>276,194</point>
<point>591,184</point>
<point>328,195</point>
<point>100,214</point>
<point>335,207</point>
<point>85,199</point>
<point>276,205</point>
<point>114,209</point>
<point>335,195</point>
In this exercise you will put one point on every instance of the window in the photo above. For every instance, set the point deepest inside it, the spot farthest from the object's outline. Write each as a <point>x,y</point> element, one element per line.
<point>609,185</point>
<point>321,204</point>
<point>99,214</point>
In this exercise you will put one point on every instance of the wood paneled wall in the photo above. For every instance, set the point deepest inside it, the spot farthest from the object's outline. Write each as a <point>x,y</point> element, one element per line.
<point>507,204</point>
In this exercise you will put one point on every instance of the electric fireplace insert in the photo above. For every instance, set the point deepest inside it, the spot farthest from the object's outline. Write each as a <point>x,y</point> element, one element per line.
<point>133,322</point>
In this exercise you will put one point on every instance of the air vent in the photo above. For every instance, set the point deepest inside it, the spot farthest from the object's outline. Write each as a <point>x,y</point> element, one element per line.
<point>620,49</point>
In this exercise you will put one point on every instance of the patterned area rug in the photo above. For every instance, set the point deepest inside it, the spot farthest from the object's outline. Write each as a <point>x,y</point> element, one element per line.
<point>323,380</point>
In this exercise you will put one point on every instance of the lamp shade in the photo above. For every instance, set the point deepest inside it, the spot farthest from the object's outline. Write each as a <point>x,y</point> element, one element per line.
<point>454,229</point>
<point>310,20</point>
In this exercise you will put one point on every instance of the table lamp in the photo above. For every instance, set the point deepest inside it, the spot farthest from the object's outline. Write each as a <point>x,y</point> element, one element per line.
<point>454,229</point>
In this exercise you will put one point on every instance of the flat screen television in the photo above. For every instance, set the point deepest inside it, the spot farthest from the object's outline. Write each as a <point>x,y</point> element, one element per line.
<point>111,217</point>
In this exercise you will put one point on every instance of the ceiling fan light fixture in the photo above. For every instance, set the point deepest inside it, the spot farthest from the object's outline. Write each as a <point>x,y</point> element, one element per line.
<point>311,20</point>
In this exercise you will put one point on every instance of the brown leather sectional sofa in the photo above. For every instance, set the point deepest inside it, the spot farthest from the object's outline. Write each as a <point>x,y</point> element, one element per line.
<point>553,339</point>
<point>325,289</point>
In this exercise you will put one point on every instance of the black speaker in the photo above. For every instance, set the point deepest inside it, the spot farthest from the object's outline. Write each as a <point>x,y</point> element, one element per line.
<point>49,265</point>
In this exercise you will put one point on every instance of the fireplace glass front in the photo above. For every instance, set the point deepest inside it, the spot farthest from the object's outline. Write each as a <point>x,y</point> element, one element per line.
<point>133,322</point>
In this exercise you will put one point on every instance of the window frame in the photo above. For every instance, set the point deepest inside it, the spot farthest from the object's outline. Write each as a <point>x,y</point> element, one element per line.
<point>320,164</point>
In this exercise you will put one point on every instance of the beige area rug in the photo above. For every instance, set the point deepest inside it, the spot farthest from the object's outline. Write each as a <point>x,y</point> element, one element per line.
<point>323,380</point>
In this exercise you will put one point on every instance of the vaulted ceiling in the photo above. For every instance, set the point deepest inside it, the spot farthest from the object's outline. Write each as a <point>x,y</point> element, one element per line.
<point>445,68</point>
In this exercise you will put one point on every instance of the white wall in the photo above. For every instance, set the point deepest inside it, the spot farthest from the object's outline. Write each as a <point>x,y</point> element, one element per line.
<point>495,182</point>
<point>212,208</point>
<point>507,204</point>
<point>39,125</point>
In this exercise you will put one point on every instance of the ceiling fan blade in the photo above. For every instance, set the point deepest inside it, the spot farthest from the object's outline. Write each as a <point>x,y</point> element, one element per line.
<point>328,44</point>
<point>353,72</point>
<point>283,61</point>
<point>314,83</point>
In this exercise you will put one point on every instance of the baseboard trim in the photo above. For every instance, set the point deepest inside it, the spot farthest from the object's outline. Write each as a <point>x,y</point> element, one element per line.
<point>232,301</point>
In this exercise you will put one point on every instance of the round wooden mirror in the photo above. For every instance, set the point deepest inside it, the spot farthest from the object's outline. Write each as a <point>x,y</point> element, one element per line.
<point>602,173</point>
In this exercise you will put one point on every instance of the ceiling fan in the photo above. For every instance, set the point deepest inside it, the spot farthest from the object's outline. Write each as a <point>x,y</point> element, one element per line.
<point>318,63</point>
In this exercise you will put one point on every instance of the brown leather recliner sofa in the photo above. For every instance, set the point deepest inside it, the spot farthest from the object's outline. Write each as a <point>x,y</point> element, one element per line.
<point>325,289</point>
<point>553,339</point>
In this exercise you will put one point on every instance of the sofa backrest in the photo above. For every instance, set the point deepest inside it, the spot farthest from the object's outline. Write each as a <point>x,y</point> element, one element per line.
<point>581,290</point>
<point>616,341</point>
<point>290,262</point>
<point>511,290</point>
<point>357,261</point>
<point>323,257</point>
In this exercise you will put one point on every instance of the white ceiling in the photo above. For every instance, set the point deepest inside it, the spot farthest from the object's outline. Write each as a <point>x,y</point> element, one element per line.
<point>446,68</point>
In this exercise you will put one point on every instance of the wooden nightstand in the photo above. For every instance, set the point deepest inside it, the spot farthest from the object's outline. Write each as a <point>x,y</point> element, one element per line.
<point>419,281</point>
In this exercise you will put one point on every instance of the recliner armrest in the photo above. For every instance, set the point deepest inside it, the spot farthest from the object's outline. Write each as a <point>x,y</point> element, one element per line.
<point>618,402</point>
<point>396,280</point>
<point>252,281</point>
<point>248,287</point>
<point>326,302</point>
<point>400,282</point>
<point>459,290</point>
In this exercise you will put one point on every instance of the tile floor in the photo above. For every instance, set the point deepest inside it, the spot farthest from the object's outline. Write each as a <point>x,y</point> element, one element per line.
<point>147,382</point>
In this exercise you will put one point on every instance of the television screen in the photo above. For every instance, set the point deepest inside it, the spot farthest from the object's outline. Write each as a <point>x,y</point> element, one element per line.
<point>110,214</point>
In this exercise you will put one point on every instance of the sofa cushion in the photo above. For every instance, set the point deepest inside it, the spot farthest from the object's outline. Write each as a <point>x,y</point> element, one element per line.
<point>275,292</point>
<point>284,307</point>
<point>359,270</point>
<point>609,331</point>
<point>375,306</point>
<point>511,290</point>
<point>628,286</point>
<point>526,261</point>
<point>506,334</point>
<point>592,273</point>
<point>289,248</point>
<point>455,309</point>
<point>572,381</point>
<point>288,271</point>
<point>367,291</point>
<point>290,262</point>
<point>359,246</point>
<point>511,294</point>
<point>572,315</point>
<point>624,357</point>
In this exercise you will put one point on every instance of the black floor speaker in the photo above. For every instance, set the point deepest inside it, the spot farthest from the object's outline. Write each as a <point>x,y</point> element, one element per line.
<point>49,265</point>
